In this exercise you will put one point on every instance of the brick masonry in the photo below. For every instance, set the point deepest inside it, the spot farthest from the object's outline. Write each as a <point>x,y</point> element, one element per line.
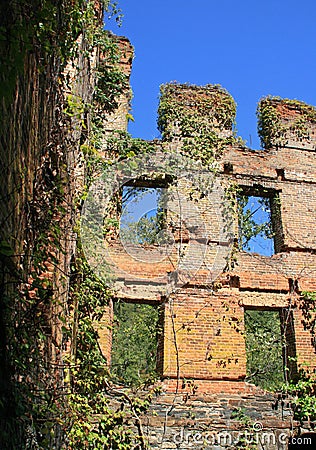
<point>203,322</point>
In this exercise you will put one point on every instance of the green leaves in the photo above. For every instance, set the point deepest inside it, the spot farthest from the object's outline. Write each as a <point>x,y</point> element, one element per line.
<point>274,123</point>
<point>264,349</point>
<point>303,388</point>
<point>134,348</point>
<point>111,82</point>
<point>303,392</point>
<point>269,124</point>
<point>5,249</point>
<point>198,115</point>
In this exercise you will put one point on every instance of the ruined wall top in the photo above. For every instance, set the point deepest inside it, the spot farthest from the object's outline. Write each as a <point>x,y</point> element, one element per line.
<point>188,111</point>
<point>190,107</point>
<point>286,123</point>
<point>122,56</point>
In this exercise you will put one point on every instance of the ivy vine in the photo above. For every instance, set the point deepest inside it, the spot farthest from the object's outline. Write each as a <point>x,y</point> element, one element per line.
<point>274,123</point>
<point>201,117</point>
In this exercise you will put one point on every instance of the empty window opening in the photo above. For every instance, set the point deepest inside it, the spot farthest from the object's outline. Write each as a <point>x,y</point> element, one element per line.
<point>143,214</point>
<point>264,348</point>
<point>134,343</point>
<point>259,222</point>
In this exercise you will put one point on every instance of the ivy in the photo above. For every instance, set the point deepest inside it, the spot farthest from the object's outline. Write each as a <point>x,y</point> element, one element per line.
<point>111,81</point>
<point>202,117</point>
<point>121,145</point>
<point>56,389</point>
<point>302,388</point>
<point>48,29</point>
<point>92,422</point>
<point>272,123</point>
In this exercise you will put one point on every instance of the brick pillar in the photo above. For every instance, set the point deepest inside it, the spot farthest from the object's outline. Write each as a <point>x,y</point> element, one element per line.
<point>118,119</point>
<point>196,114</point>
<point>287,123</point>
<point>304,318</point>
<point>104,329</point>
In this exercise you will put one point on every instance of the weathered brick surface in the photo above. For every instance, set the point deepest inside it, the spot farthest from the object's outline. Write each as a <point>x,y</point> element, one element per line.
<point>118,119</point>
<point>201,352</point>
<point>203,335</point>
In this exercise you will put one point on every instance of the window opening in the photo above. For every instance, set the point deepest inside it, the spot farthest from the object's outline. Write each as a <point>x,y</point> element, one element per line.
<point>264,348</point>
<point>259,222</point>
<point>134,343</point>
<point>143,214</point>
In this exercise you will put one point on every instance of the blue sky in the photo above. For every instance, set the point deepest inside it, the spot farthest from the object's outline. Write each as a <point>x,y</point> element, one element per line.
<point>252,48</point>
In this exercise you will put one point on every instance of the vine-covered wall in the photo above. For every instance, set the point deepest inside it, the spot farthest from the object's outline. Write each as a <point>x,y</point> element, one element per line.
<point>52,105</point>
<point>65,109</point>
<point>202,349</point>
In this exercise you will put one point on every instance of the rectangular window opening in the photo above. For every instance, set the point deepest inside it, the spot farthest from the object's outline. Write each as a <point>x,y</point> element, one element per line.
<point>264,348</point>
<point>259,221</point>
<point>135,341</point>
<point>142,214</point>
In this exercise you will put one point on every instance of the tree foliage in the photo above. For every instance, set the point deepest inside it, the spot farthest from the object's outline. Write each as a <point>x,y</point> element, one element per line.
<point>134,349</point>
<point>146,229</point>
<point>264,349</point>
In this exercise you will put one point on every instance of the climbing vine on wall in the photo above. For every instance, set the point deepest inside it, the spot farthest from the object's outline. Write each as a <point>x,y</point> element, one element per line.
<point>50,393</point>
<point>273,125</point>
<point>202,118</point>
<point>91,420</point>
<point>303,388</point>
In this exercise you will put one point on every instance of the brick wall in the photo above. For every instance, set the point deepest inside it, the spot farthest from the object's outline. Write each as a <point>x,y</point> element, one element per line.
<point>201,350</point>
<point>203,329</point>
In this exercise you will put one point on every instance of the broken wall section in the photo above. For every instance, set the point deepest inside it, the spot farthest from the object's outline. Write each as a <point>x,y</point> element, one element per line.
<point>198,122</point>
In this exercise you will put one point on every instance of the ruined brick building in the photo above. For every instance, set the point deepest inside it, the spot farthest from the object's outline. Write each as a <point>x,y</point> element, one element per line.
<point>196,275</point>
<point>201,353</point>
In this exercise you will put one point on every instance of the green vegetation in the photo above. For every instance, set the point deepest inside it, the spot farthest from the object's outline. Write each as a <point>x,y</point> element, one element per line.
<point>264,349</point>
<point>144,232</point>
<point>303,387</point>
<point>90,420</point>
<point>272,127</point>
<point>303,393</point>
<point>134,348</point>
<point>246,422</point>
<point>56,389</point>
<point>146,229</point>
<point>196,115</point>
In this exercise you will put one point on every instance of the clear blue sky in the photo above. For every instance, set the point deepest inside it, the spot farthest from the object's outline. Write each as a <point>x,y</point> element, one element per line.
<point>251,47</point>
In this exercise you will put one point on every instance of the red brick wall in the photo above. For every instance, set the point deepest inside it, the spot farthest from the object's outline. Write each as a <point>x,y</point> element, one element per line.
<point>203,321</point>
<point>204,335</point>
